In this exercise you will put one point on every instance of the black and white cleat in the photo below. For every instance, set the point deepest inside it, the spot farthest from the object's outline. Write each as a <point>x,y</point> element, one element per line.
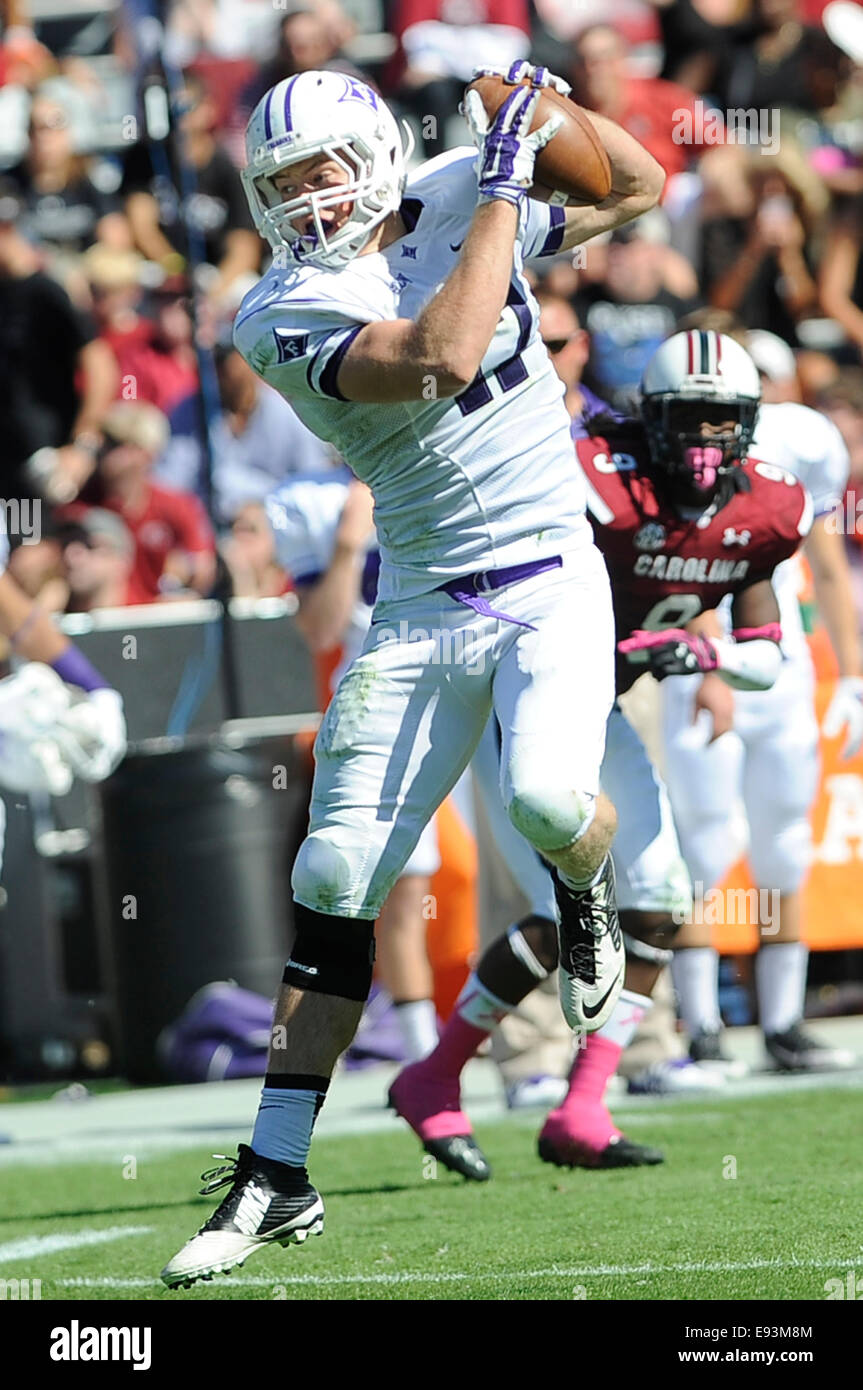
<point>269,1203</point>
<point>797,1050</point>
<point>592,957</point>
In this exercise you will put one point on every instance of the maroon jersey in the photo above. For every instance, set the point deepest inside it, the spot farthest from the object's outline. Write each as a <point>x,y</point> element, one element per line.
<point>664,569</point>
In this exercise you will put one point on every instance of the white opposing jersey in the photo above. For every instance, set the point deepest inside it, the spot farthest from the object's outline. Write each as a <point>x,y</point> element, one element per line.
<point>810,446</point>
<point>304,514</point>
<point>471,482</point>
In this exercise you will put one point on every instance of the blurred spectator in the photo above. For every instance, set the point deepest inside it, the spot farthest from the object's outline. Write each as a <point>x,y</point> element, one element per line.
<point>174,548</point>
<point>696,34</point>
<point>64,211</point>
<point>568,347</point>
<point>217,211</point>
<point>442,42</point>
<point>842,401</point>
<point>647,286</point>
<point>155,354</point>
<point>97,553</point>
<point>24,63</point>
<point>257,441</point>
<point>241,28</point>
<point>840,282</point>
<point>307,41</point>
<point>780,62</point>
<point>56,378</point>
<point>758,261</point>
<point>562,21</point>
<point>777,366</point>
<point>661,115</point>
<point>250,554</point>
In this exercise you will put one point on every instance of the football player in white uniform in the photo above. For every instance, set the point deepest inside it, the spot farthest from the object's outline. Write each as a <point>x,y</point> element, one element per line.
<point>663,543</point>
<point>325,540</point>
<point>400,326</point>
<point>58,716</point>
<point>762,747</point>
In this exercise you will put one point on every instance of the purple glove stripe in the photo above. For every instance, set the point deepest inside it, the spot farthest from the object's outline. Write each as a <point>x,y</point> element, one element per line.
<point>73,667</point>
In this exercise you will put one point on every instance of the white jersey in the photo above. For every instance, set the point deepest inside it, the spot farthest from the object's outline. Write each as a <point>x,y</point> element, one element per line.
<point>304,514</point>
<point>811,447</point>
<point>472,482</point>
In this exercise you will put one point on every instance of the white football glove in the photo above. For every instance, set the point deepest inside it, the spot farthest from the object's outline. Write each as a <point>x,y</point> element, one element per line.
<point>31,702</point>
<point>845,711</point>
<point>517,72</point>
<point>91,734</point>
<point>507,152</point>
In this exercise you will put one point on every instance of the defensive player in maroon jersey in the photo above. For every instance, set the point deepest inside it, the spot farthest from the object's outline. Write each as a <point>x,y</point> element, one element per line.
<point>683,518</point>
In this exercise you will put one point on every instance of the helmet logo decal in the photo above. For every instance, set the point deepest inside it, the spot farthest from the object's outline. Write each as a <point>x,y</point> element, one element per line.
<point>358,91</point>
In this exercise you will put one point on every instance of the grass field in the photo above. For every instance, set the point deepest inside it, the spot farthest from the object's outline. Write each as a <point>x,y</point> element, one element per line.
<point>784,1225</point>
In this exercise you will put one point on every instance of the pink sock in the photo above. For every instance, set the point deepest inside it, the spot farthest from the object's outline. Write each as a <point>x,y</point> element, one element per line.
<point>583,1119</point>
<point>477,1012</point>
<point>594,1066</point>
<point>426,1093</point>
<point>457,1044</point>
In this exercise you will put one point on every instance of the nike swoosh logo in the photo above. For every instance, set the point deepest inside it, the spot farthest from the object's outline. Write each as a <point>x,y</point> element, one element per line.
<point>457,248</point>
<point>592,1012</point>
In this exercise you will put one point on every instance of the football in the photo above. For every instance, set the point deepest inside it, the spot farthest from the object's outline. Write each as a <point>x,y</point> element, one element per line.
<point>573,167</point>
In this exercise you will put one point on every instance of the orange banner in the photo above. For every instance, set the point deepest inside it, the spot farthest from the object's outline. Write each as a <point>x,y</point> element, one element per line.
<point>833,897</point>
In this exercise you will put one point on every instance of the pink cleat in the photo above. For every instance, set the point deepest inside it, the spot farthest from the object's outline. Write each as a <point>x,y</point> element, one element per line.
<point>431,1105</point>
<point>587,1138</point>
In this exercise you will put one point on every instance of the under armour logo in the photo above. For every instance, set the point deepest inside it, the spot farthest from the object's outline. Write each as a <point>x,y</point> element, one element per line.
<point>410,252</point>
<point>732,537</point>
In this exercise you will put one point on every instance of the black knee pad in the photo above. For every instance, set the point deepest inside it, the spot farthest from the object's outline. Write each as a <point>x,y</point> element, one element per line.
<point>649,935</point>
<point>331,955</point>
<point>540,936</point>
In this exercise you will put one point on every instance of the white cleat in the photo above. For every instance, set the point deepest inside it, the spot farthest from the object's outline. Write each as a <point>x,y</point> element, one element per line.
<point>592,958</point>
<point>269,1203</point>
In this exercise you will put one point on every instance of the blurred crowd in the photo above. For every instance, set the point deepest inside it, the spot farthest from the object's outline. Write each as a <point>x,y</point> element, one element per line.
<point>123,258</point>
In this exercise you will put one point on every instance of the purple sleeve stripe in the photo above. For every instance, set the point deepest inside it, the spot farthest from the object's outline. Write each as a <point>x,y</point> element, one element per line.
<point>328,383</point>
<point>73,667</point>
<point>551,245</point>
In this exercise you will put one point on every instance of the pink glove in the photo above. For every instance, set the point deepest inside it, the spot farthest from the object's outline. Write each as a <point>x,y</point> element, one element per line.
<point>673,652</point>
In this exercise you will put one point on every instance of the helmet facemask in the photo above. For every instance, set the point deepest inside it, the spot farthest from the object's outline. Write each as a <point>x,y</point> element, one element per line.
<point>276,214</point>
<point>680,449</point>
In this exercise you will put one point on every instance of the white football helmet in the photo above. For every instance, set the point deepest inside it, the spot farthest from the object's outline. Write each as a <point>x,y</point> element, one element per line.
<point>696,378</point>
<point>332,114</point>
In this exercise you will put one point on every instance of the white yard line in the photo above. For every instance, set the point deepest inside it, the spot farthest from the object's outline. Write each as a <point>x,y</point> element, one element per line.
<point>457,1276</point>
<point>31,1247</point>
